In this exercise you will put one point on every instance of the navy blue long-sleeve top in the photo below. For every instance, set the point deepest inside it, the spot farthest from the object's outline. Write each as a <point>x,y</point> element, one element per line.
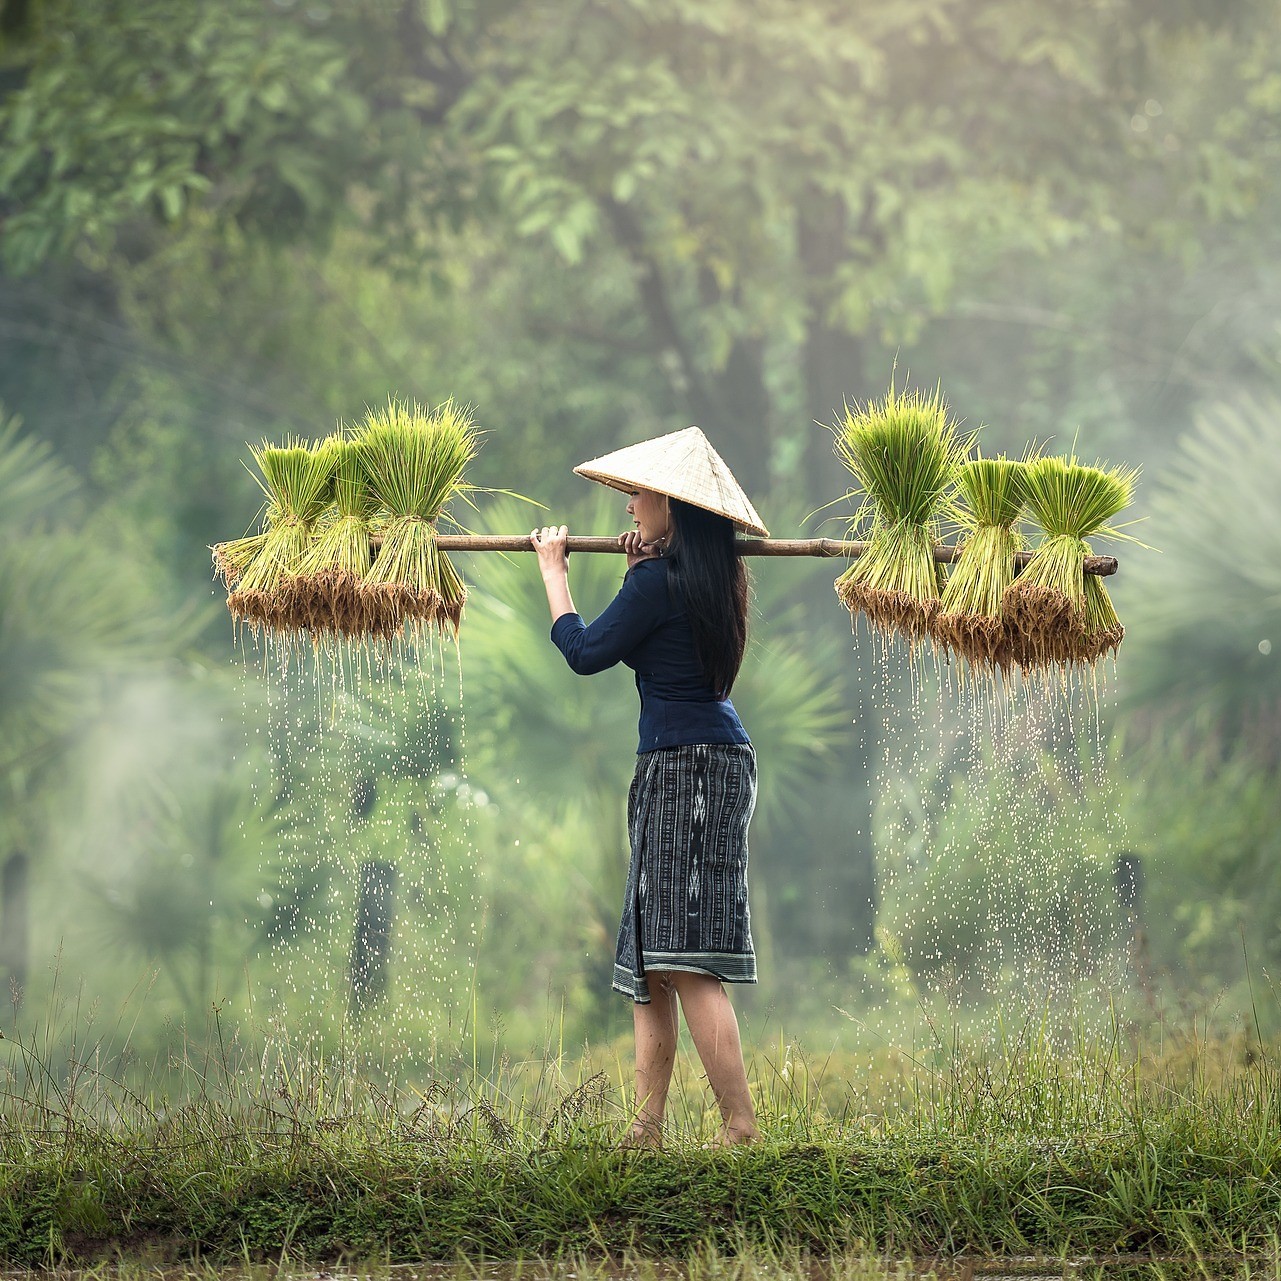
<point>647,629</point>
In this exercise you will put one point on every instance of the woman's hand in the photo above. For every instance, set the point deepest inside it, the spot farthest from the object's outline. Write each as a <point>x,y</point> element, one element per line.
<point>553,559</point>
<point>550,544</point>
<point>637,550</point>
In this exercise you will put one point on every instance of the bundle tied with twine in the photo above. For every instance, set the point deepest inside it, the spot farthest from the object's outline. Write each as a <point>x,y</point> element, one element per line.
<point>414,462</point>
<point>328,587</point>
<point>296,480</point>
<point>970,623</point>
<point>1057,614</point>
<point>904,452</point>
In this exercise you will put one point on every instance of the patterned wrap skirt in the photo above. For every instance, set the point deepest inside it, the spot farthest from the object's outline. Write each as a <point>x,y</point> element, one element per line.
<point>686,899</point>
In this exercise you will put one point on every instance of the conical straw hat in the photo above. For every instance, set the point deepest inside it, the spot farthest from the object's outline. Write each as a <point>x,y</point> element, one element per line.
<point>681,465</point>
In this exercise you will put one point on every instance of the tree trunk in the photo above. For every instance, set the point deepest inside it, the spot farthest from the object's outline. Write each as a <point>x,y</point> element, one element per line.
<point>741,427</point>
<point>371,944</point>
<point>15,917</point>
<point>832,360</point>
<point>732,405</point>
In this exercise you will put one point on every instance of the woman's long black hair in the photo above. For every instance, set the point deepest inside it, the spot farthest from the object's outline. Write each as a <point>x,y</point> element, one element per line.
<point>710,580</point>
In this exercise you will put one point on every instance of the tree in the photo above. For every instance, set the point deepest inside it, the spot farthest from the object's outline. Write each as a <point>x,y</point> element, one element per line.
<point>600,220</point>
<point>789,191</point>
<point>71,623</point>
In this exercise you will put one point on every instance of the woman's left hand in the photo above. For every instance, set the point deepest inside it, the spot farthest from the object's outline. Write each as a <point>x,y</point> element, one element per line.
<point>637,550</point>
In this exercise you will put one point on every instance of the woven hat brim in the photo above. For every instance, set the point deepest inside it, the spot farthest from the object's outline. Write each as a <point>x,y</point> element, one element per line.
<point>681,465</point>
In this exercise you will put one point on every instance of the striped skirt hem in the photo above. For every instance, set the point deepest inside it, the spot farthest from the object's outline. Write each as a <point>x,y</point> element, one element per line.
<point>729,967</point>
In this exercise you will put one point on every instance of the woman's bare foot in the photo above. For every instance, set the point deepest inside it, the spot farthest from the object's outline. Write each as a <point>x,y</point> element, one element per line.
<point>734,1137</point>
<point>644,1138</point>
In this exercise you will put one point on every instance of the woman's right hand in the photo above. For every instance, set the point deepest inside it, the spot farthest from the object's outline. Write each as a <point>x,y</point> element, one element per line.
<point>637,550</point>
<point>550,543</point>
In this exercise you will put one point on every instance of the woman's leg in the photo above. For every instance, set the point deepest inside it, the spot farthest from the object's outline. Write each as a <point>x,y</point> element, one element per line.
<point>711,1021</point>
<point>656,1028</point>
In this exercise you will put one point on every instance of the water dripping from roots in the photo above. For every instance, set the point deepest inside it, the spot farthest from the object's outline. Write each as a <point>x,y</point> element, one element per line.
<point>368,858</point>
<point>998,839</point>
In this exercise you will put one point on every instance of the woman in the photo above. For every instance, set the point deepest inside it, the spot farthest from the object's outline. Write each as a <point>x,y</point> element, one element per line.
<point>680,622</point>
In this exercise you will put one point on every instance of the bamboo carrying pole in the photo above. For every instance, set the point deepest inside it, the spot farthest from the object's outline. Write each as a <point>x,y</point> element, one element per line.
<point>1101,566</point>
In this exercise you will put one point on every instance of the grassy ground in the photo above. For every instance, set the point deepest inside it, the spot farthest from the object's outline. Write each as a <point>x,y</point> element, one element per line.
<point>703,1265</point>
<point>1013,1152</point>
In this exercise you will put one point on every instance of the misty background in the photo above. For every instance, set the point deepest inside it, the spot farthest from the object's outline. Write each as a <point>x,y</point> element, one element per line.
<point>599,222</point>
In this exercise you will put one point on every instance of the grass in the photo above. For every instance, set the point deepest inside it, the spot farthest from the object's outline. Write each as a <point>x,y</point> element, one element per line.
<point>1015,1150</point>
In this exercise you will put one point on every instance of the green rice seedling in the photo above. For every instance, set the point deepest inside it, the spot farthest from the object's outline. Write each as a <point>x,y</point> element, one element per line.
<point>297,480</point>
<point>414,461</point>
<point>1104,631</point>
<point>904,452</point>
<point>329,578</point>
<point>231,559</point>
<point>1054,617</point>
<point>970,621</point>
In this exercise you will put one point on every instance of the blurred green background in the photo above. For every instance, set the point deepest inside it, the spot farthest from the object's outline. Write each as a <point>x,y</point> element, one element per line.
<point>597,223</point>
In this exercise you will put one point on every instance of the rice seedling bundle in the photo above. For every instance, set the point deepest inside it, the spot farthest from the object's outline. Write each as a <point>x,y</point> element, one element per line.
<point>970,622</point>
<point>297,481</point>
<point>328,584</point>
<point>904,452</point>
<point>414,462</point>
<point>1057,614</point>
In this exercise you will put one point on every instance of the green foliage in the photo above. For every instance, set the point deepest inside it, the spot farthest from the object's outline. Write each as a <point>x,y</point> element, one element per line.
<point>139,110</point>
<point>1204,814</point>
<point>988,502</point>
<point>186,885</point>
<point>1057,615</point>
<point>989,491</point>
<point>1067,499</point>
<point>414,458</point>
<point>904,453</point>
<point>772,187</point>
<point>298,482</point>
<point>32,480</point>
<point>341,548</point>
<point>70,617</point>
<point>1206,635</point>
<point>602,222</point>
<point>415,461</point>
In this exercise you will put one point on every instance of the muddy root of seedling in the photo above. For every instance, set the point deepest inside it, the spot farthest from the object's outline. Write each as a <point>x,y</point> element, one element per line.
<point>1044,629</point>
<point>890,612</point>
<point>980,641</point>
